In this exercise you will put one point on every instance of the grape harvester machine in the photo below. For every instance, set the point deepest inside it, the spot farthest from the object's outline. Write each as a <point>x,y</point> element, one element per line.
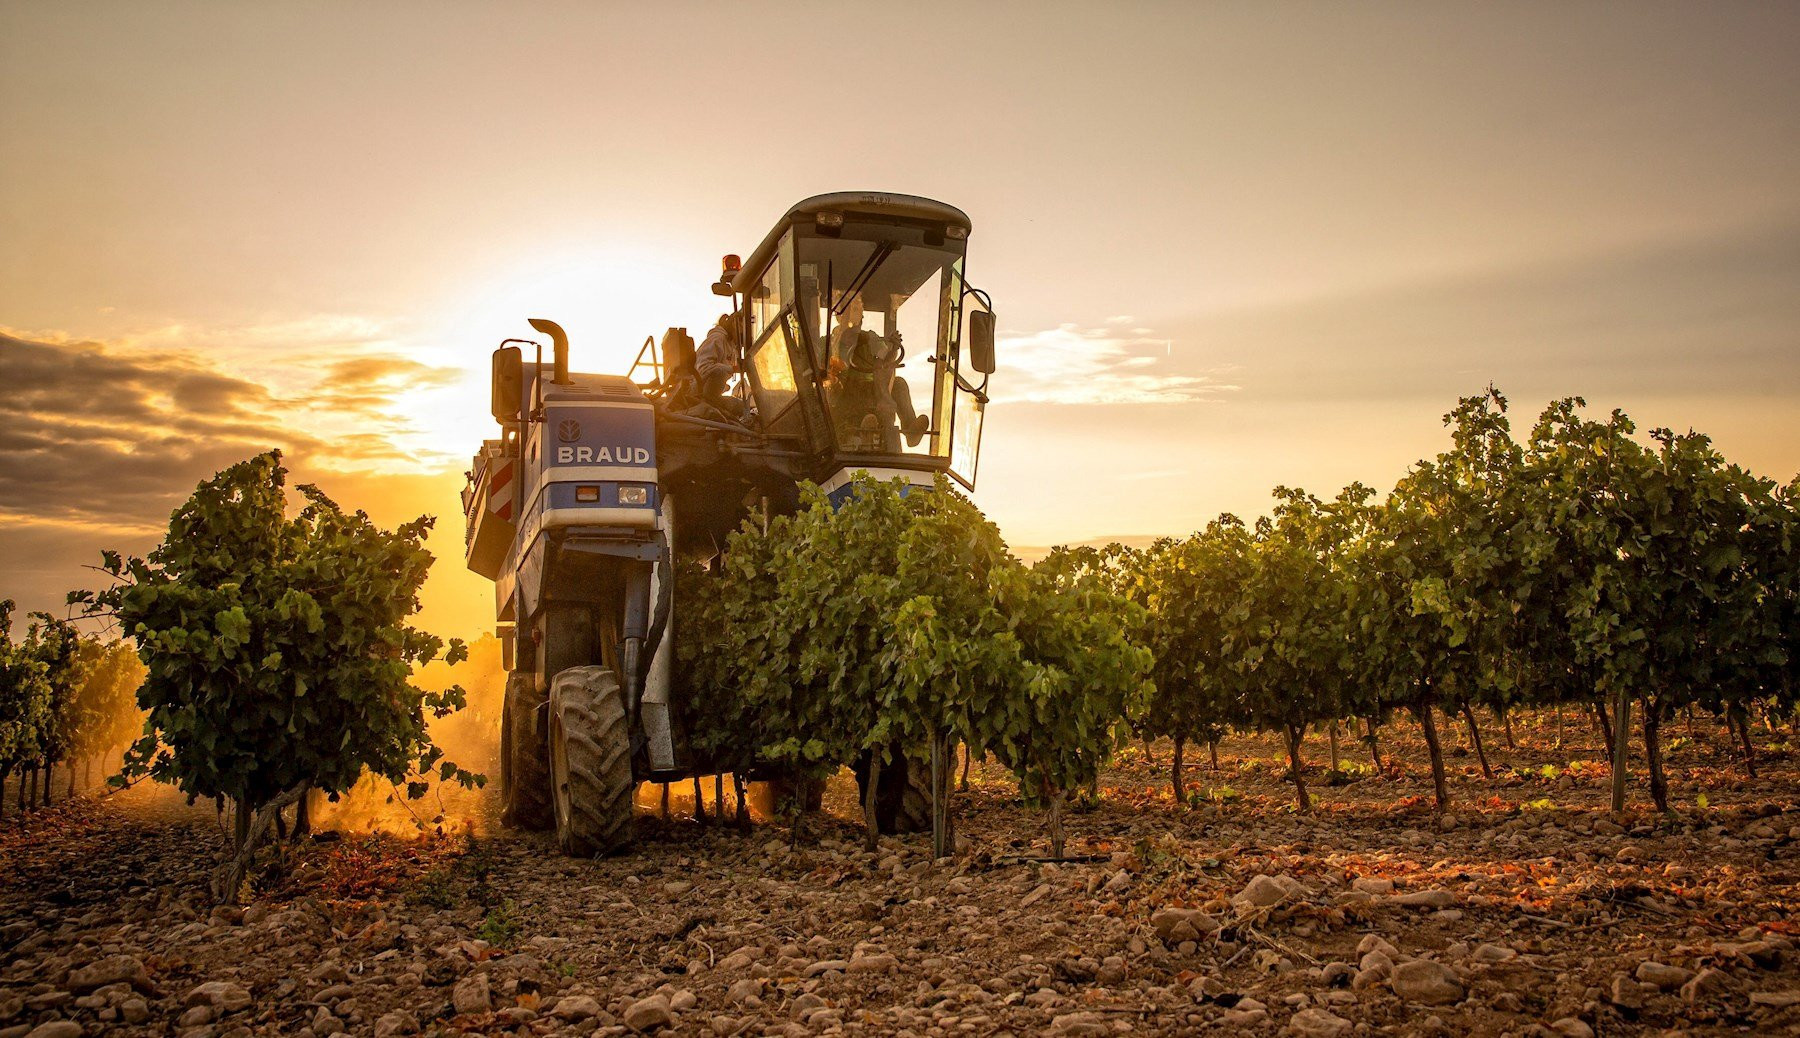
<point>862,348</point>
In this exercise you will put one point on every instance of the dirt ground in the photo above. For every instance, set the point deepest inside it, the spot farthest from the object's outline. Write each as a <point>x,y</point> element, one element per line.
<point>1528,910</point>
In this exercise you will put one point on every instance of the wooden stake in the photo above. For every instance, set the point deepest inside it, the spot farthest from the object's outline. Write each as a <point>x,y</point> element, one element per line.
<point>937,797</point>
<point>871,835</point>
<point>1475,738</point>
<point>1621,750</point>
<point>1175,770</point>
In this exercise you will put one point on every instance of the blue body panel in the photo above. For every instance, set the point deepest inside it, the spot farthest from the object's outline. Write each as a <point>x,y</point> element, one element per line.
<point>599,432</point>
<point>839,487</point>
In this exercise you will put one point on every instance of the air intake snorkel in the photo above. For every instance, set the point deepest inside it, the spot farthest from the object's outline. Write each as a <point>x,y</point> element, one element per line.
<point>559,343</point>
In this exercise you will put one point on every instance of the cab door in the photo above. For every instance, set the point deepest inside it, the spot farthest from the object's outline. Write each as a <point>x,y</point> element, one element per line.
<point>966,380</point>
<point>778,362</point>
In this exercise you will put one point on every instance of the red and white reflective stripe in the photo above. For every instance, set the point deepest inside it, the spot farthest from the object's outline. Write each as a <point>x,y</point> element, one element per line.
<point>500,495</point>
<point>501,475</point>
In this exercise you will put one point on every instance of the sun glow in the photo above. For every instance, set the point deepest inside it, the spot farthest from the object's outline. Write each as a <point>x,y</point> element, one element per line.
<point>609,299</point>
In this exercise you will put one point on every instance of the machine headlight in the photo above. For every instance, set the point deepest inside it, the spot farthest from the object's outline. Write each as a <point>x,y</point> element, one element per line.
<point>587,495</point>
<point>634,495</point>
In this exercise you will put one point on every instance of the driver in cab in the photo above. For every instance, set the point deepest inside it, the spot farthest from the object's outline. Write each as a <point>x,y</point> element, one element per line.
<point>863,369</point>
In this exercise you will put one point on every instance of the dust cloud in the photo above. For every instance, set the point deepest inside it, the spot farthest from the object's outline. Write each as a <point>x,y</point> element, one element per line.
<point>470,737</point>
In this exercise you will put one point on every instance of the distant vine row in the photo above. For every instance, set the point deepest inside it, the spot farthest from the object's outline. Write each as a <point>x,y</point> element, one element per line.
<point>1583,567</point>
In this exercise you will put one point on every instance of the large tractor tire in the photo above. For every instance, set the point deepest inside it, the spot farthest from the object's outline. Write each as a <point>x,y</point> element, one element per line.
<point>591,785</point>
<point>524,766</point>
<point>902,793</point>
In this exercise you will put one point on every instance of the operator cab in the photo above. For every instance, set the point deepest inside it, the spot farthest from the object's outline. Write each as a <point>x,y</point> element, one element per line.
<point>866,347</point>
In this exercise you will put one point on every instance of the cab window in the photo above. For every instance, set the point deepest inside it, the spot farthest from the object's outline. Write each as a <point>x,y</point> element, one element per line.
<point>874,310</point>
<point>772,291</point>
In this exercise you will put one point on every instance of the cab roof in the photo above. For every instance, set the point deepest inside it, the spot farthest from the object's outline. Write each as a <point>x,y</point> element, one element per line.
<point>911,207</point>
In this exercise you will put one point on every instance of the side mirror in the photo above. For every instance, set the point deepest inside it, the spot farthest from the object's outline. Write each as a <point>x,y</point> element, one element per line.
<point>508,384</point>
<point>981,341</point>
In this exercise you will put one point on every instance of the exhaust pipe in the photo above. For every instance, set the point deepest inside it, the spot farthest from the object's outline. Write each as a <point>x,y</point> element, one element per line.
<point>559,341</point>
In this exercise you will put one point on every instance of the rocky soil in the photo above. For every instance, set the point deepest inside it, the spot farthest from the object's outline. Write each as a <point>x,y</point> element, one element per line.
<point>1528,911</point>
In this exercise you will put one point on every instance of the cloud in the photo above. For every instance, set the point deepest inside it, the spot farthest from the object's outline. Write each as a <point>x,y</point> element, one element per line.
<point>314,335</point>
<point>115,437</point>
<point>365,383</point>
<point>101,442</point>
<point>97,437</point>
<point>365,405</point>
<point>83,380</point>
<point>1070,364</point>
<point>385,371</point>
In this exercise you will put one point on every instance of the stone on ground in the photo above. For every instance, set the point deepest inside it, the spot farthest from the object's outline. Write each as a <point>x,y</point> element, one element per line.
<point>1426,982</point>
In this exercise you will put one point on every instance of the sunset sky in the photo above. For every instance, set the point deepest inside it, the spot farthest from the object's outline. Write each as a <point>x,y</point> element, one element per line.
<point>1231,245</point>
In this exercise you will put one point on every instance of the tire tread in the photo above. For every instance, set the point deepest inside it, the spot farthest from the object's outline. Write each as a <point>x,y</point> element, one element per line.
<point>588,710</point>
<point>525,789</point>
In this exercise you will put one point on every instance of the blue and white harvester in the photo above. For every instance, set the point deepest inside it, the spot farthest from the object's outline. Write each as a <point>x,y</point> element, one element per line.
<point>862,347</point>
